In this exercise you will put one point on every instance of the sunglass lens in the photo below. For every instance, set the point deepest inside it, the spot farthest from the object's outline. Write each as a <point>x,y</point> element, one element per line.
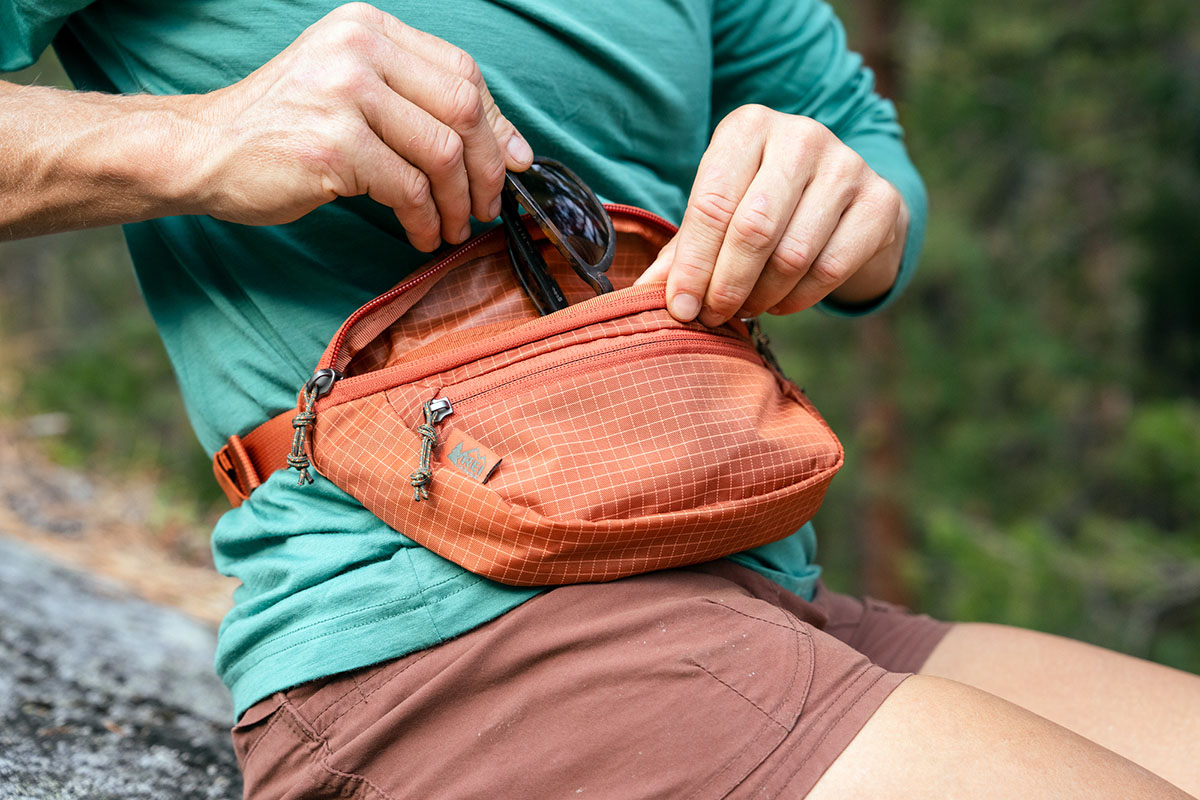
<point>571,208</point>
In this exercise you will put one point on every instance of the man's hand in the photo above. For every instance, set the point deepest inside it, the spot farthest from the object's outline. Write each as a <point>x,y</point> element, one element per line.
<point>781,215</point>
<point>360,103</point>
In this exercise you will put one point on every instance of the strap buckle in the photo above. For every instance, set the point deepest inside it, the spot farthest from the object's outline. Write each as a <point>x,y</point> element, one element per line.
<point>235,472</point>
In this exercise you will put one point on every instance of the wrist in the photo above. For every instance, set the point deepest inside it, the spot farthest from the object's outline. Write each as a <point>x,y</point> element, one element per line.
<point>156,155</point>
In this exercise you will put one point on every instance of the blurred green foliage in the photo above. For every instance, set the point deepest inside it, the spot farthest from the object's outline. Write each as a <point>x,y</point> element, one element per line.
<point>1044,367</point>
<point>77,340</point>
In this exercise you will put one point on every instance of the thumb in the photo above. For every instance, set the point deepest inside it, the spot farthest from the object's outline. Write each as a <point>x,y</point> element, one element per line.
<point>660,267</point>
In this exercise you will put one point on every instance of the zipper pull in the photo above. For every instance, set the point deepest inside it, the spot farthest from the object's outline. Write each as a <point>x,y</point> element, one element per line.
<point>435,411</point>
<point>762,343</point>
<point>320,383</point>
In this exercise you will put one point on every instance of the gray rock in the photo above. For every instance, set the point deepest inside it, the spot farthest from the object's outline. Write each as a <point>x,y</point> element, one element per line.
<point>104,696</point>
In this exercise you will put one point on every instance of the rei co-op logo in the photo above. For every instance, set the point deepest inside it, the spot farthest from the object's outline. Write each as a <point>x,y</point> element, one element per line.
<point>470,461</point>
<point>469,456</point>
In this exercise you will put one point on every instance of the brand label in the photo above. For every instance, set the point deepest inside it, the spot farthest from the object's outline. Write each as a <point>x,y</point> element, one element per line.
<point>469,456</point>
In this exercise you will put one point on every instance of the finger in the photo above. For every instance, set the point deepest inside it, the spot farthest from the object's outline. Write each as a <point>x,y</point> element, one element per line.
<point>462,150</point>
<point>395,183</point>
<point>661,266</point>
<point>816,217</point>
<point>491,131</point>
<point>725,172</point>
<point>430,146</point>
<point>861,233</point>
<point>754,232</point>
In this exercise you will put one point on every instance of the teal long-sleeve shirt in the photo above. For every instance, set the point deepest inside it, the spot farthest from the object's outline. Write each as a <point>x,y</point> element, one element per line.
<point>626,92</point>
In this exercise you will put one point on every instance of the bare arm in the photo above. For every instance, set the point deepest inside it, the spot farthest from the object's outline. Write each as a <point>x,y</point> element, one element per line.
<point>77,160</point>
<point>359,104</point>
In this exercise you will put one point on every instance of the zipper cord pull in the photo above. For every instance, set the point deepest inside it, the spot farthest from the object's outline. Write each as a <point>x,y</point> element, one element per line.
<point>298,458</point>
<point>435,411</point>
<point>316,386</point>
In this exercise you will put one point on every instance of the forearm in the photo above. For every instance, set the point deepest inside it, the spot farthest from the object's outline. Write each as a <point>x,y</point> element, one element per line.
<point>73,160</point>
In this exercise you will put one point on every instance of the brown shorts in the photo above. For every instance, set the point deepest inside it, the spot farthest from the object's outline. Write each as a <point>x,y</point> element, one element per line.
<point>704,682</point>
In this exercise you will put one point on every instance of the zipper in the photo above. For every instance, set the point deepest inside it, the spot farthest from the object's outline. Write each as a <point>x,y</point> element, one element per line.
<point>661,343</point>
<point>457,254</point>
<point>602,308</point>
<point>437,409</point>
<point>642,214</point>
<point>401,288</point>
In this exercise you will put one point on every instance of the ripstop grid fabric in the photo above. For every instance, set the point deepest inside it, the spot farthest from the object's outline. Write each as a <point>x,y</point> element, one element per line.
<point>629,441</point>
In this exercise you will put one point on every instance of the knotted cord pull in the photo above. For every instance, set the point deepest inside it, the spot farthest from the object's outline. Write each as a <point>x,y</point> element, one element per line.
<point>298,458</point>
<point>435,410</point>
<point>423,476</point>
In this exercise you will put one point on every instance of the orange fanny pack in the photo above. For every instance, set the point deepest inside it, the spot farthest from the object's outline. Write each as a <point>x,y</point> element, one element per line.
<point>597,442</point>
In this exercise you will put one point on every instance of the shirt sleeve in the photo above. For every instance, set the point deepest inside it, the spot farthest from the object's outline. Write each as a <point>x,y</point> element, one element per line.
<point>791,55</point>
<point>28,26</point>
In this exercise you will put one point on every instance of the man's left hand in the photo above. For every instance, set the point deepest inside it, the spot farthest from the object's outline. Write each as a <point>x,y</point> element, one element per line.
<point>782,214</point>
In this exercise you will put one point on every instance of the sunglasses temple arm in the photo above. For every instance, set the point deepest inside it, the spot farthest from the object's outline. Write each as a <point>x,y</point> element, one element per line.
<point>529,262</point>
<point>535,295</point>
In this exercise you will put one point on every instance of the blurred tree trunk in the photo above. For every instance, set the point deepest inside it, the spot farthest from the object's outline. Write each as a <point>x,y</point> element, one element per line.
<point>883,532</point>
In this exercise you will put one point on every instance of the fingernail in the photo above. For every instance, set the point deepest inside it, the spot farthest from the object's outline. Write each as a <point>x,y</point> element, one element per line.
<point>494,210</point>
<point>773,310</point>
<point>711,318</point>
<point>684,306</point>
<point>519,149</point>
<point>465,232</point>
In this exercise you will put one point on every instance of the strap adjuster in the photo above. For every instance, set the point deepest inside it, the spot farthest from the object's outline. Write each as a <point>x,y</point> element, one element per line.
<point>235,471</point>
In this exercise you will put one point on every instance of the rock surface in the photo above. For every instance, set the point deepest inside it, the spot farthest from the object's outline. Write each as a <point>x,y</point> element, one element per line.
<point>104,696</point>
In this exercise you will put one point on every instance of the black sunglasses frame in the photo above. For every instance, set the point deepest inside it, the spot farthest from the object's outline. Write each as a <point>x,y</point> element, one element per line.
<point>528,264</point>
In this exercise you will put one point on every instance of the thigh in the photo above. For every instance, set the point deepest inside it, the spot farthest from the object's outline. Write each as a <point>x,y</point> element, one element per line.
<point>1146,712</point>
<point>938,738</point>
<point>681,684</point>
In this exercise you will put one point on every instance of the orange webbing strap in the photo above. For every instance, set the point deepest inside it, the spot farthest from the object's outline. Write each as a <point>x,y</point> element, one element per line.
<point>245,462</point>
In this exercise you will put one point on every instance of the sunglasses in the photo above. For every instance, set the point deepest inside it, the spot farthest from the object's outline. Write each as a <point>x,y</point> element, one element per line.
<point>573,219</point>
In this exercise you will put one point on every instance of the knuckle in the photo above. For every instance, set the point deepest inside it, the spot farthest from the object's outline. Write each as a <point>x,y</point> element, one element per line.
<point>809,127</point>
<point>348,33</point>
<point>464,105</point>
<point>790,259</point>
<point>491,175</point>
<point>752,114</point>
<point>882,198</point>
<point>744,120</point>
<point>416,191</point>
<point>847,168</point>
<point>753,229</point>
<point>713,208</point>
<point>445,151</point>
<point>466,67</point>
<point>353,79</point>
<point>829,270</point>
<point>725,298</point>
<point>356,10</point>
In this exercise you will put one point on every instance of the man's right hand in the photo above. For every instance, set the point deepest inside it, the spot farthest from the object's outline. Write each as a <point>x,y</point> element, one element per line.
<point>359,104</point>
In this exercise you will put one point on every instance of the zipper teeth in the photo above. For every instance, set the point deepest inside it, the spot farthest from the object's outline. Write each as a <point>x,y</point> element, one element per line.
<point>641,213</point>
<point>708,344</point>
<point>483,238</point>
<point>566,322</point>
<point>392,293</point>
